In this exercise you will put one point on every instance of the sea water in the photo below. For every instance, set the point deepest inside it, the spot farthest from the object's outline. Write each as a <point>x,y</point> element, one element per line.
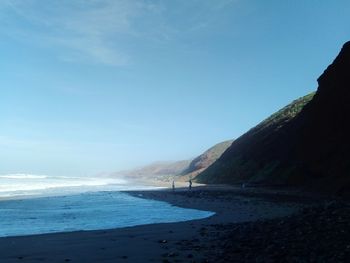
<point>40,204</point>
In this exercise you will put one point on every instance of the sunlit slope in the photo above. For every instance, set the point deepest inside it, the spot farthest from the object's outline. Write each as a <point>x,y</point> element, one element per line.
<point>203,161</point>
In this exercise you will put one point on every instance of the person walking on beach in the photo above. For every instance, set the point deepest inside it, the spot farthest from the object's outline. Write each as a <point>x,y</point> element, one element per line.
<point>190,184</point>
<point>173,185</point>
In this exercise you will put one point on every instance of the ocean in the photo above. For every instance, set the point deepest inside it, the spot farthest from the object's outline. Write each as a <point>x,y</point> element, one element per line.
<point>38,204</point>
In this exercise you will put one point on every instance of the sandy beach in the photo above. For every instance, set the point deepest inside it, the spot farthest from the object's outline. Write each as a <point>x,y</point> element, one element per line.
<point>191,241</point>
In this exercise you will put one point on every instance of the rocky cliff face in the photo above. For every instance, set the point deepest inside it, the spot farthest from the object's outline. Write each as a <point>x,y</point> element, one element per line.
<point>308,147</point>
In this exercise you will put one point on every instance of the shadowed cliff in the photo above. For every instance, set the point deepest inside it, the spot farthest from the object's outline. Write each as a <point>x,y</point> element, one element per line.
<point>304,144</point>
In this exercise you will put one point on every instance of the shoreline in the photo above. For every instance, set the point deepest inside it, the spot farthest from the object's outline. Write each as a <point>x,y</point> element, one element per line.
<point>166,242</point>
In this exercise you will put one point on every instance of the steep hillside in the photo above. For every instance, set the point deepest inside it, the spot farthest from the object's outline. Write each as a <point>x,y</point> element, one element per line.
<point>206,159</point>
<point>305,144</point>
<point>323,129</point>
<point>251,156</point>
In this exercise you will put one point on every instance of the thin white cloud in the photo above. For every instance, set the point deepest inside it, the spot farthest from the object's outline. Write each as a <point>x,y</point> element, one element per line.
<point>101,31</point>
<point>88,30</point>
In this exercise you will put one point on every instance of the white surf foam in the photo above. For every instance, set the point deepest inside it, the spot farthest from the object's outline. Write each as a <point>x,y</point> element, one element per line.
<point>12,185</point>
<point>23,176</point>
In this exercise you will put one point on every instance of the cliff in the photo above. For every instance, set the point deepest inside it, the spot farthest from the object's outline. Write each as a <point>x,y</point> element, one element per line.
<point>305,144</point>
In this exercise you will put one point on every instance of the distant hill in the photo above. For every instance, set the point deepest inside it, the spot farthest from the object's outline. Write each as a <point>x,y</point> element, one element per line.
<point>206,159</point>
<point>305,144</point>
<point>178,170</point>
<point>157,170</point>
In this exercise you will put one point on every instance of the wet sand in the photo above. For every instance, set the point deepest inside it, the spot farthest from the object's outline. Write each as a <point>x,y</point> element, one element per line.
<point>191,241</point>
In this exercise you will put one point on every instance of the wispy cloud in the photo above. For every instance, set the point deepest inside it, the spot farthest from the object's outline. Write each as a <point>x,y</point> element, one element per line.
<point>87,30</point>
<point>101,31</point>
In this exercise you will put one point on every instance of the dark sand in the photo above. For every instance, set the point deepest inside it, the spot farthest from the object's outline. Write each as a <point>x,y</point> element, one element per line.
<point>191,241</point>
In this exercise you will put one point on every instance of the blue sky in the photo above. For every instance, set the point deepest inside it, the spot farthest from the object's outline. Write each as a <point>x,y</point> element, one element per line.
<point>99,86</point>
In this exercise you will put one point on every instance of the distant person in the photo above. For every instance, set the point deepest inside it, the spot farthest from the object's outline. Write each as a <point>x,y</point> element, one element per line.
<point>173,185</point>
<point>243,185</point>
<point>190,184</point>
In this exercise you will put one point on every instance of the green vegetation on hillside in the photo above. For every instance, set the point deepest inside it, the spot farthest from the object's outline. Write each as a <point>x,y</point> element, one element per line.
<point>251,157</point>
<point>287,113</point>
